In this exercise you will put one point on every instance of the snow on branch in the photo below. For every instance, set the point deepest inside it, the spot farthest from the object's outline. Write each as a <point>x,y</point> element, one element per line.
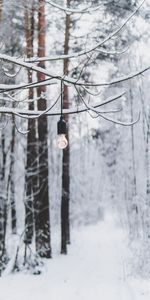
<point>65,79</point>
<point>100,113</point>
<point>87,51</point>
<point>13,87</point>
<point>23,113</point>
<point>69,10</point>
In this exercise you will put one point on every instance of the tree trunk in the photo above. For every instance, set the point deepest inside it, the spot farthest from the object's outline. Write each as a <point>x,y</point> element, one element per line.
<point>10,182</point>
<point>146,135</point>
<point>43,227</point>
<point>3,206</point>
<point>65,223</point>
<point>1,8</point>
<point>32,154</point>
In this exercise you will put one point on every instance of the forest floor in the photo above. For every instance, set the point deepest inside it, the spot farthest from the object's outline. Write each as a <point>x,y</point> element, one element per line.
<point>94,269</point>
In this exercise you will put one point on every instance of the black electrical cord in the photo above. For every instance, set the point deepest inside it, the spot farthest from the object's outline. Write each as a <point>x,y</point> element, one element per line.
<point>62,93</point>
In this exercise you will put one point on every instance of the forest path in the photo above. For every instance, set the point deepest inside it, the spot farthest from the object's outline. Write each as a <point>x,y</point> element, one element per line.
<point>94,269</point>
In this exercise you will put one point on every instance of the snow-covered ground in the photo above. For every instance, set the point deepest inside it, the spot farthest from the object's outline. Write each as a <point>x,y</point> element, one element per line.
<point>94,269</point>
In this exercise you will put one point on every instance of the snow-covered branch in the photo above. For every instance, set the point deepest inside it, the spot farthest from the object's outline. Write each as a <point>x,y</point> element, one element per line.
<point>100,113</point>
<point>13,87</point>
<point>23,113</point>
<point>94,48</point>
<point>69,10</point>
<point>66,79</point>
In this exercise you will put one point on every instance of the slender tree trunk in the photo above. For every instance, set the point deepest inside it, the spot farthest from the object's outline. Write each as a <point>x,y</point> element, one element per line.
<point>43,231</point>
<point>13,207</point>
<point>11,184</point>
<point>32,154</point>
<point>133,148</point>
<point>146,134</point>
<point>134,207</point>
<point>134,185</point>
<point>2,200</point>
<point>65,222</point>
<point>1,8</point>
<point>3,207</point>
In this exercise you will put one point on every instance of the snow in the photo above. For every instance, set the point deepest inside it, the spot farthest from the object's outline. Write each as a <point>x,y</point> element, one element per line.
<point>95,268</point>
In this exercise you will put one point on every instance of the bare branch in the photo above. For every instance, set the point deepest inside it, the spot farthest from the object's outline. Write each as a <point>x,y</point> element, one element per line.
<point>12,87</point>
<point>10,75</point>
<point>24,132</point>
<point>85,52</point>
<point>4,125</point>
<point>116,52</point>
<point>90,92</point>
<point>65,79</point>
<point>120,122</point>
<point>11,98</point>
<point>100,114</point>
<point>69,10</point>
<point>43,112</point>
<point>29,113</point>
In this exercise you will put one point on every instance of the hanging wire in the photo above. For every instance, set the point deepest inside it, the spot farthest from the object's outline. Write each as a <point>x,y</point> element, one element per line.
<point>62,92</point>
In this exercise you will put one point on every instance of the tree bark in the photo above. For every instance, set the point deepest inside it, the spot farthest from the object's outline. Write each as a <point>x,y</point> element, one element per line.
<point>43,244</point>
<point>11,183</point>
<point>1,8</point>
<point>65,222</point>
<point>31,181</point>
<point>3,206</point>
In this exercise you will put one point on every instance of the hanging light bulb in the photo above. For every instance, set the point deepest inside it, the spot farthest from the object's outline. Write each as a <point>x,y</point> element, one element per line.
<point>62,142</point>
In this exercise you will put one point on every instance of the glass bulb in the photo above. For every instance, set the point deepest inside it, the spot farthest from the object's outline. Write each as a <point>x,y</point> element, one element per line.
<point>62,141</point>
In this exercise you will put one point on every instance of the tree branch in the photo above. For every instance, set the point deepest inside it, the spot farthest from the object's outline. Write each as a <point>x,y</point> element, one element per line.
<point>69,10</point>
<point>87,51</point>
<point>100,114</point>
<point>67,79</point>
<point>29,113</point>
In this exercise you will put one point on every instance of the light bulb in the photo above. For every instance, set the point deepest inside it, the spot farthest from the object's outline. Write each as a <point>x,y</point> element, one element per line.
<point>62,142</point>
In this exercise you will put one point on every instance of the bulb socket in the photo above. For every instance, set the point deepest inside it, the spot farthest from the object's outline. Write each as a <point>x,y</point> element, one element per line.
<point>61,126</point>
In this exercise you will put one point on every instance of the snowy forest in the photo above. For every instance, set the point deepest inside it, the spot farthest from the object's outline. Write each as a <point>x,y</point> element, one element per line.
<point>75,149</point>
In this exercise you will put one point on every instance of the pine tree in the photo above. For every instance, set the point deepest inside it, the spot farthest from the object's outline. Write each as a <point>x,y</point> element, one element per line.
<point>42,206</point>
<point>65,200</point>
<point>31,161</point>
